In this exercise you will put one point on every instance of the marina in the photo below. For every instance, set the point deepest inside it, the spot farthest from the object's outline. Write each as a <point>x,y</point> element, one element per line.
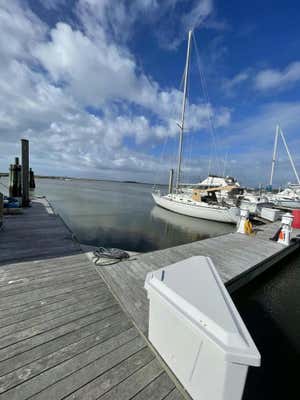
<point>63,320</point>
<point>149,200</point>
<point>81,321</point>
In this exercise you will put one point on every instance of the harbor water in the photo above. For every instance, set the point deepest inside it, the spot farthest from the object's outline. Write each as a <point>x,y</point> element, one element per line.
<point>123,215</point>
<point>270,308</point>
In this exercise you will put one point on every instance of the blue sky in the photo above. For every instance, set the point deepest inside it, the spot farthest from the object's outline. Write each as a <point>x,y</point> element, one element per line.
<point>94,85</point>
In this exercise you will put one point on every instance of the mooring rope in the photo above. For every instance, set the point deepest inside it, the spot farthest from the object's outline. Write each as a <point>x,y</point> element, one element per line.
<point>108,256</point>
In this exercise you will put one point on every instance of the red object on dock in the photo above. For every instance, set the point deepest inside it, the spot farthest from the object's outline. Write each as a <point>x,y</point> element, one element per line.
<point>296,221</point>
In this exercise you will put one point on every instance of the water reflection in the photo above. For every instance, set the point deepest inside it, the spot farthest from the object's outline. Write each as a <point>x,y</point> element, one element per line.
<point>116,214</point>
<point>197,228</point>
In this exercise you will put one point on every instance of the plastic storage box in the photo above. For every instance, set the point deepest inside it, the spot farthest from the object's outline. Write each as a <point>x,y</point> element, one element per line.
<point>270,214</point>
<point>196,329</point>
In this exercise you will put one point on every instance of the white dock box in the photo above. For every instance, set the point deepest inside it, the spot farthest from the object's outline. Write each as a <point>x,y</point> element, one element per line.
<point>197,330</point>
<point>270,214</point>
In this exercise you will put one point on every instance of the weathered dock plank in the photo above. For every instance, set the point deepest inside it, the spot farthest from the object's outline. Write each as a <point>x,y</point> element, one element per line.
<point>238,258</point>
<point>62,332</point>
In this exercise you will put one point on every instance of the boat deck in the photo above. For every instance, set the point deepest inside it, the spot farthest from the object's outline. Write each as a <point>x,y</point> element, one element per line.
<point>63,335</point>
<point>238,259</point>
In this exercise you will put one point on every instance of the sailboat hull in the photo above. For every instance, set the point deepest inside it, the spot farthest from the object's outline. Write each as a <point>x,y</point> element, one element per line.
<point>201,210</point>
<point>287,203</point>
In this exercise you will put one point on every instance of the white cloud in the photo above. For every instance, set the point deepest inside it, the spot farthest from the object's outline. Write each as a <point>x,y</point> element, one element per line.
<point>276,79</point>
<point>52,4</point>
<point>172,18</point>
<point>197,15</point>
<point>177,22</point>
<point>20,28</point>
<point>258,129</point>
<point>50,78</point>
<point>98,72</point>
<point>230,84</point>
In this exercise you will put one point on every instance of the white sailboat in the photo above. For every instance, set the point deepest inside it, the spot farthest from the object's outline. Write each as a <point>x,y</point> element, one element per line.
<point>201,203</point>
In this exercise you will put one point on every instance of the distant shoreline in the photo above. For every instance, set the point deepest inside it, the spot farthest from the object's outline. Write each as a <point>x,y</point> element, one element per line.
<point>63,178</point>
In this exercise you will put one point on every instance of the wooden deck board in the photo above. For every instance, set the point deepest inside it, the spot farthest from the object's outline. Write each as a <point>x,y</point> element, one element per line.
<point>238,258</point>
<point>62,332</point>
<point>151,392</point>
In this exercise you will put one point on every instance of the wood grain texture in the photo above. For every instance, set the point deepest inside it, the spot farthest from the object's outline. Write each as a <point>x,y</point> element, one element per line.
<point>62,332</point>
<point>238,259</point>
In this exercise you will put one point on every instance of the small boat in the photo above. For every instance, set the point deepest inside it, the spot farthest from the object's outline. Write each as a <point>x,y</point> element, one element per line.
<point>200,203</point>
<point>255,202</point>
<point>288,198</point>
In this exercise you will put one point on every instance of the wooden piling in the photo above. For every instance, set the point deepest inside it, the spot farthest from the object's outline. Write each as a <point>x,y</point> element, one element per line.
<point>31,179</point>
<point>1,209</point>
<point>25,172</point>
<point>15,187</point>
<point>19,177</point>
<point>11,180</point>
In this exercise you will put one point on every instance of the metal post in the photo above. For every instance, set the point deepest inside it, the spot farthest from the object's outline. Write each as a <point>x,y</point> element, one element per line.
<point>25,172</point>
<point>19,177</point>
<point>290,157</point>
<point>274,156</point>
<point>171,180</point>
<point>181,126</point>
<point>11,181</point>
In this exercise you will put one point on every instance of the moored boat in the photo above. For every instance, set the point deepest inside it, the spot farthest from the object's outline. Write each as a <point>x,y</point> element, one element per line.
<point>185,205</point>
<point>202,203</point>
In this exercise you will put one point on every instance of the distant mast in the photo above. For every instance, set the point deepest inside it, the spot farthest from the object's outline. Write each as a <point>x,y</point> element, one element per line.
<point>274,156</point>
<point>280,132</point>
<point>181,124</point>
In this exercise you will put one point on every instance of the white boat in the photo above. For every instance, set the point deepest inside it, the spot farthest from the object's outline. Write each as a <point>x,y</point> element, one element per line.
<point>255,202</point>
<point>225,183</point>
<point>204,228</point>
<point>198,209</point>
<point>200,203</point>
<point>288,198</point>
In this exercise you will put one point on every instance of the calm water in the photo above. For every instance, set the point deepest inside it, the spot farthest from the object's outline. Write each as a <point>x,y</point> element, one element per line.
<point>270,308</point>
<point>123,215</point>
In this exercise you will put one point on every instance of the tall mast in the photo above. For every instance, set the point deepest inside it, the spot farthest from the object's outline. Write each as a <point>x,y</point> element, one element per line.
<point>290,156</point>
<point>280,132</point>
<point>181,125</point>
<point>274,155</point>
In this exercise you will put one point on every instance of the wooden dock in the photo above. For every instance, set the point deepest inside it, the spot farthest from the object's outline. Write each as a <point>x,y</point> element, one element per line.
<point>63,334</point>
<point>238,259</point>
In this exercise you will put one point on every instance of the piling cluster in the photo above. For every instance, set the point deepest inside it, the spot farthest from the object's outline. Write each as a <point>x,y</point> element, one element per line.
<point>21,177</point>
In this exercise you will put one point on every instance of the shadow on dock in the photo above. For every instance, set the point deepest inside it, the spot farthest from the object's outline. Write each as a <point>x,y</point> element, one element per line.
<point>35,234</point>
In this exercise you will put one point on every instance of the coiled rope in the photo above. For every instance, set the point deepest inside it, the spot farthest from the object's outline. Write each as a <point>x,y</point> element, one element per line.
<point>109,256</point>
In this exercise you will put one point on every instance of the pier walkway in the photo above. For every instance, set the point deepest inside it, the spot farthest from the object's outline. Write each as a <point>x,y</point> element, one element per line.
<point>63,335</point>
<point>238,259</point>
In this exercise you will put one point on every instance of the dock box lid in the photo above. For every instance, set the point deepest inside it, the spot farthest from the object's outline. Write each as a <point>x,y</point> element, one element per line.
<point>194,288</point>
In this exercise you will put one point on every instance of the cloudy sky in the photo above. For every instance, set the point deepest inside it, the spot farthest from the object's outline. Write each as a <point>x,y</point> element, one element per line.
<point>95,86</point>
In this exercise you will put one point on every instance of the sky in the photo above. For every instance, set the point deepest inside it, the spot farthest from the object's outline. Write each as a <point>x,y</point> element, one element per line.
<point>96,86</point>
